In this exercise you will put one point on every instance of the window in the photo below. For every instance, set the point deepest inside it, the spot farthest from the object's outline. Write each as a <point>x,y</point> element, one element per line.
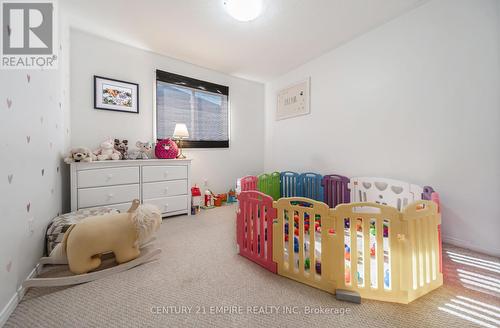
<point>202,106</point>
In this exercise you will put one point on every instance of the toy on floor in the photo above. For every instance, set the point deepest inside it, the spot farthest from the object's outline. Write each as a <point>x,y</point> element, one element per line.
<point>217,200</point>
<point>86,244</point>
<point>318,267</point>
<point>121,234</point>
<point>208,200</point>
<point>231,196</point>
<point>195,199</point>
<point>107,151</point>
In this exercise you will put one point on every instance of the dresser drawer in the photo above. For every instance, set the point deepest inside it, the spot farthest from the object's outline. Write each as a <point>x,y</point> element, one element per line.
<point>90,197</point>
<point>164,189</point>
<point>108,177</point>
<point>122,207</point>
<point>162,173</point>
<point>169,204</point>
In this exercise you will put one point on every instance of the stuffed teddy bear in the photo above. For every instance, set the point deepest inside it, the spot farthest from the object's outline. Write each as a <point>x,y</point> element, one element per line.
<point>123,234</point>
<point>107,151</point>
<point>122,147</point>
<point>80,154</point>
<point>143,148</point>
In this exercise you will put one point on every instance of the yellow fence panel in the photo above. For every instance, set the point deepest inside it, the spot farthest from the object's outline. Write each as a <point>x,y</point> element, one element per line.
<point>422,248</point>
<point>372,249</point>
<point>371,237</point>
<point>303,252</point>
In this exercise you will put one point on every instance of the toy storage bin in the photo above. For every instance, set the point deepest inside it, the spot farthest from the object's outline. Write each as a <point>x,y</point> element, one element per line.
<point>335,190</point>
<point>289,184</point>
<point>269,184</point>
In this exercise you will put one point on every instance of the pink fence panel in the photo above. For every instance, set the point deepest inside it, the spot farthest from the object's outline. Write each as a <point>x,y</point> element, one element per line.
<point>249,183</point>
<point>254,224</point>
<point>336,190</point>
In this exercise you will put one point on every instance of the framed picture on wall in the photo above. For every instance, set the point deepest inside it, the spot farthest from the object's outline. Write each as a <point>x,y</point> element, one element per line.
<point>116,95</point>
<point>294,100</point>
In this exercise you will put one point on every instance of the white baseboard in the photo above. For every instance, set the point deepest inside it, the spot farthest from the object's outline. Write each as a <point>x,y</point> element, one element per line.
<point>469,245</point>
<point>15,299</point>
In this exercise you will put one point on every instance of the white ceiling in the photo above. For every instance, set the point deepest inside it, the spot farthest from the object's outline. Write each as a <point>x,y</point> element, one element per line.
<point>287,34</point>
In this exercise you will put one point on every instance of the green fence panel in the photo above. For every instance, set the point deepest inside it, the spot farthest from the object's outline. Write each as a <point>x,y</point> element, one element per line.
<point>269,184</point>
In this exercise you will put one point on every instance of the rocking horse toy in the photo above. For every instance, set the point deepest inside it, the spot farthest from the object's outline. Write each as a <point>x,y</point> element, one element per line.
<point>97,239</point>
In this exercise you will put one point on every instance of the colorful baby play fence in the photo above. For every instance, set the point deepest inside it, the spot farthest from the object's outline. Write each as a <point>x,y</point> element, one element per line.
<point>380,251</point>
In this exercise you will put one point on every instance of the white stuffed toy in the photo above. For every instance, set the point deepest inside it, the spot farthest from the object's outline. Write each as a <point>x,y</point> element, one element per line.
<point>143,148</point>
<point>107,151</point>
<point>80,154</point>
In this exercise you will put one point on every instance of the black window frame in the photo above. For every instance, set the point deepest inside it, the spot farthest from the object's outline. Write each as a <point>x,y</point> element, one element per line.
<point>189,82</point>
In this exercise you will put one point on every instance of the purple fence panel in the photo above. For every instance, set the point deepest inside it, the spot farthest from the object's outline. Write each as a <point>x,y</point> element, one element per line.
<point>427,194</point>
<point>336,190</point>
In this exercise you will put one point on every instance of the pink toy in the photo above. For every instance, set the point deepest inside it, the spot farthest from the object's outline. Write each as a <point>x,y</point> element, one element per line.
<point>166,149</point>
<point>255,217</point>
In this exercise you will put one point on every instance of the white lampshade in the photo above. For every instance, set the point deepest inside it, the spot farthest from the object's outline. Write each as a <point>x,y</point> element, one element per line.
<point>181,131</point>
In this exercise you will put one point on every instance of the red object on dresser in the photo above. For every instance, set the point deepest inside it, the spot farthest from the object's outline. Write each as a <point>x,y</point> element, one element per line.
<point>166,149</point>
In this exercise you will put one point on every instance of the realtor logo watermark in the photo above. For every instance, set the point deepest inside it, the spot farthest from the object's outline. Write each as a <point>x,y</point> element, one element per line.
<point>28,35</point>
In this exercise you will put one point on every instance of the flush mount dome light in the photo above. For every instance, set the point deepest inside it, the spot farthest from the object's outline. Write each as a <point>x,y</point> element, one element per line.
<point>243,10</point>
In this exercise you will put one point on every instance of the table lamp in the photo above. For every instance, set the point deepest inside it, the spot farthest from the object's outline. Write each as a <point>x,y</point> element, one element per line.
<point>180,132</point>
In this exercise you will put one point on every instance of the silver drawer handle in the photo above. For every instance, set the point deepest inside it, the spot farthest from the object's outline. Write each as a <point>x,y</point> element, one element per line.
<point>110,176</point>
<point>110,195</point>
<point>165,174</point>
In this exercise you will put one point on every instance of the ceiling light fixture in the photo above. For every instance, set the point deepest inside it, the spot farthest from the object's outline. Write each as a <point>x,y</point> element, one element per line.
<point>243,10</point>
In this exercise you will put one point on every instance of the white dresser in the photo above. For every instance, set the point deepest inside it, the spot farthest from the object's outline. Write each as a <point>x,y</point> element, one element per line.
<point>162,182</point>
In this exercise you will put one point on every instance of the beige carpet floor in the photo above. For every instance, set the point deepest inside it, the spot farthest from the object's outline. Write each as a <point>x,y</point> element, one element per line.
<point>199,268</point>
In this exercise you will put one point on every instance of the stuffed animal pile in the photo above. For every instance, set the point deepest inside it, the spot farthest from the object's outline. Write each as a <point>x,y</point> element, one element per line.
<point>110,149</point>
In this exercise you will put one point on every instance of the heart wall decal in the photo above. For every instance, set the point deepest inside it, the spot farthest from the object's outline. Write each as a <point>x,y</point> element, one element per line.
<point>28,207</point>
<point>28,139</point>
<point>9,103</point>
<point>10,177</point>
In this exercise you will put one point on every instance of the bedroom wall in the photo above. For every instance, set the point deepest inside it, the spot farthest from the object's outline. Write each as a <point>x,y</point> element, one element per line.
<point>34,134</point>
<point>415,99</point>
<point>92,55</point>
